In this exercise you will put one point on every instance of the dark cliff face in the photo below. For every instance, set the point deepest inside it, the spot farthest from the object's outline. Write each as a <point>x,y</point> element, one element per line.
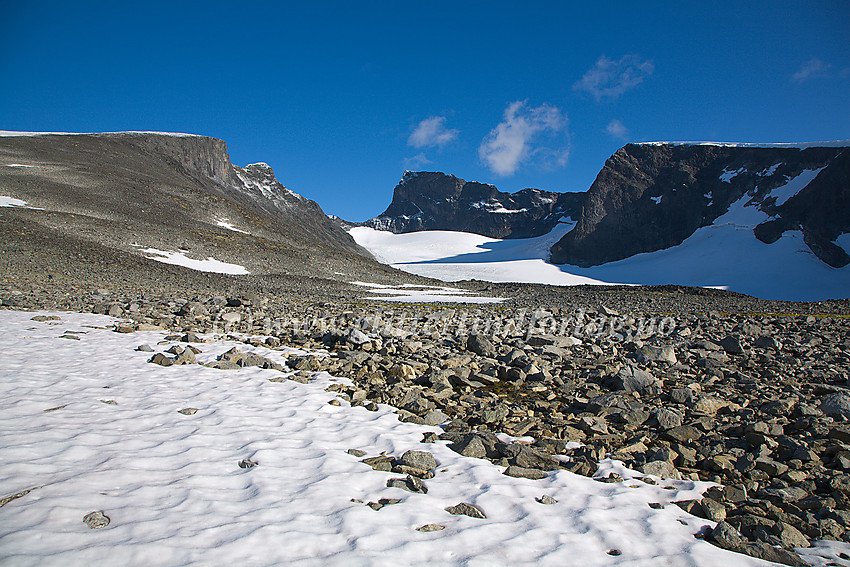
<point>436,201</point>
<point>653,196</point>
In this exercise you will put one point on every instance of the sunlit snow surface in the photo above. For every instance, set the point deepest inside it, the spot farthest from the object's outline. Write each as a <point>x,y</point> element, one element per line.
<point>175,495</point>
<point>6,201</point>
<point>455,256</point>
<point>180,259</point>
<point>224,223</point>
<point>724,255</point>
<point>799,145</point>
<point>412,293</point>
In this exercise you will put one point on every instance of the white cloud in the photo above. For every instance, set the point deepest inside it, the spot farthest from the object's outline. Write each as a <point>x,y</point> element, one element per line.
<point>509,144</point>
<point>617,130</point>
<point>609,78</point>
<point>811,69</point>
<point>416,162</point>
<point>432,132</point>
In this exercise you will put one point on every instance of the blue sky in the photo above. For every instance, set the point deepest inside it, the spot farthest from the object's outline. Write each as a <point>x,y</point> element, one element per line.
<point>341,97</point>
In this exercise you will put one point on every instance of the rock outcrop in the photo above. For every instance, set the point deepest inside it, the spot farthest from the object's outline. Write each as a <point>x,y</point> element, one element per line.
<point>650,197</point>
<point>436,201</point>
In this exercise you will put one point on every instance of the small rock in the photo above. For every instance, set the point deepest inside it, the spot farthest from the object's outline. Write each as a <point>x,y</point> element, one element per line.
<point>161,359</point>
<point>379,463</point>
<point>408,483</point>
<point>522,472</point>
<point>771,467</point>
<point>419,459</point>
<point>188,411</point>
<point>383,502</point>
<point>109,402</point>
<point>667,418</point>
<point>662,469</point>
<point>791,537</point>
<point>96,520</point>
<point>465,509</point>
<point>732,345</point>
<point>835,404</point>
<point>435,417</point>
<point>632,379</point>
<point>430,528</point>
<point>714,510</point>
<point>649,353</point>
<point>546,499</point>
<point>470,446</point>
<point>144,348</point>
<point>356,452</point>
<point>683,434</point>
<point>481,346</point>
<point>725,536</point>
<point>247,464</point>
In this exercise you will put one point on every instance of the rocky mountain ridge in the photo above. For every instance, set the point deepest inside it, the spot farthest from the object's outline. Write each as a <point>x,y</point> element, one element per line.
<point>650,197</point>
<point>100,201</point>
<point>437,201</point>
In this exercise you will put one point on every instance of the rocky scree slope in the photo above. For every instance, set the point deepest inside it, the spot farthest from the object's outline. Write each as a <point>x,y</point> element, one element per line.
<point>650,197</point>
<point>101,194</point>
<point>436,201</point>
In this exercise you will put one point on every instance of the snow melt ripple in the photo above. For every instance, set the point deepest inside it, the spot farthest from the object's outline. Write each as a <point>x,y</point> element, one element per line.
<point>175,495</point>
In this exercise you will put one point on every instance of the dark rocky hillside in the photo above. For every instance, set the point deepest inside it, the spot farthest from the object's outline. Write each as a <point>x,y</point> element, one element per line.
<point>436,201</point>
<point>96,200</point>
<point>650,197</point>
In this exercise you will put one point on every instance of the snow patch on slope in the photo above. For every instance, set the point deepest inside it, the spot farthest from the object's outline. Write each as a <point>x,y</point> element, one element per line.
<point>180,259</point>
<point>224,223</point>
<point>6,201</point>
<point>727,175</point>
<point>795,185</point>
<point>412,293</point>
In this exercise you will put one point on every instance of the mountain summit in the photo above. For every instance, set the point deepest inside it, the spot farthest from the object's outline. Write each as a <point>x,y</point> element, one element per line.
<point>436,201</point>
<point>650,197</point>
<point>102,206</point>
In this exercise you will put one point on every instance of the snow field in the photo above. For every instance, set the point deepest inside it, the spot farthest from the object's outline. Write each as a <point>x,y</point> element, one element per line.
<point>180,259</point>
<point>175,495</point>
<point>723,255</point>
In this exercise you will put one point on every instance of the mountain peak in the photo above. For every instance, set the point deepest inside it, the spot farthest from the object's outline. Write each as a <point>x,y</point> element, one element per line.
<point>430,200</point>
